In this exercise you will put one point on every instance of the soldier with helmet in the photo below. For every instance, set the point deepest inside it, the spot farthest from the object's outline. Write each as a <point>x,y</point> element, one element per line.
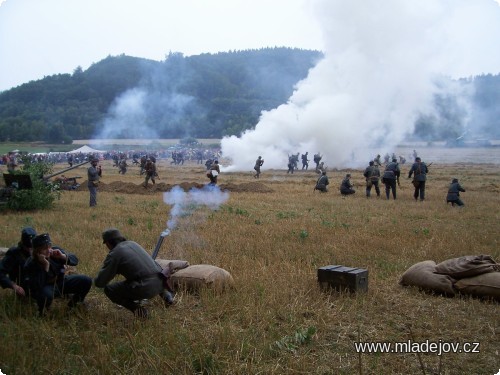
<point>150,170</point>
<point>94,173</point>
<point>258,163</point>
<point>214,172</point>
<point>11,265</point>
<point>453,195</point>
<point>419,171</point>
<point>45,275</point>
<point>372,175</point>
<point>390,177</point>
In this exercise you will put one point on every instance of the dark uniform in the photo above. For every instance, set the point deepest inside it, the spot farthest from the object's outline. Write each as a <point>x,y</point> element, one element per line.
<point>317,159</point>
<point>123,166</point>
<point>346,187</point>
<point>93,175</point>
<point>419,171</point>
<point>372,175</point>
<point>305,161</point>
<point>258,163</point>
<point>213,172</point>
<point>44,275</point>
<point>390,177</point>
<point>322,183</point>
<point>150,169</point>
<point>143,278</point>
<point>453,195</point>
<point>12,264</point>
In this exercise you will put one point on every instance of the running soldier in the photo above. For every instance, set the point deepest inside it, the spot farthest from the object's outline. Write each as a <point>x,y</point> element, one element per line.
<point>305,161</point>
<point>150,170</point>
<point>258,163</point>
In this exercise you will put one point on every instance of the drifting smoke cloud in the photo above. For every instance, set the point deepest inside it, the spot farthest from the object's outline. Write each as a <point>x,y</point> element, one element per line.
<point>151,110</point>
<point>385,61</point>
<point>184,203</point>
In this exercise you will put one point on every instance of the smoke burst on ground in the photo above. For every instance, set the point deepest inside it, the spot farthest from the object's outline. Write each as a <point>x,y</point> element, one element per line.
<point>385,63</point>
<point>186,203</point>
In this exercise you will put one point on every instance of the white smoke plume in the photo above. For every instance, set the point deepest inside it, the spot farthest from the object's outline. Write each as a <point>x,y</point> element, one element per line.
<point>185,203</point>
<point>385,60</point>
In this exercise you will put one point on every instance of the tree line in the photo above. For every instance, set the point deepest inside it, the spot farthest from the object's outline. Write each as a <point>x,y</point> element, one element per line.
<point>223,94</point>
<point>202,96</point>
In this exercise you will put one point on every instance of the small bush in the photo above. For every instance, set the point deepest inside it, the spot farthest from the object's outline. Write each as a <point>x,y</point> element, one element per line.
<point>42,195</point>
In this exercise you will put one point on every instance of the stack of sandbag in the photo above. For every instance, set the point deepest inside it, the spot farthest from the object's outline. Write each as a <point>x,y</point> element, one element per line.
<point>172,265</point>
<point>477,275</point>
<point>194,277</point>
<point>423,276</point>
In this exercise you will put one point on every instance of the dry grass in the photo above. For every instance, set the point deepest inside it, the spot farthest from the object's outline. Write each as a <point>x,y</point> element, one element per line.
<point>272,235</point>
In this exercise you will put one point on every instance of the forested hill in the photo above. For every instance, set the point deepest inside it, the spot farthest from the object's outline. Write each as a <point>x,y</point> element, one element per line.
<point>203,96</point>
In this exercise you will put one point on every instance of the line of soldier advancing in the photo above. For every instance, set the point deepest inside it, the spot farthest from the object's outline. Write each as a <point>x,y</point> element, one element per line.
<point>390,179</point>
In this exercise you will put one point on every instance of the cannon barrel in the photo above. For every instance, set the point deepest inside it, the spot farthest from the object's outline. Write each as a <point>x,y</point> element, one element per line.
<point>64,170</point>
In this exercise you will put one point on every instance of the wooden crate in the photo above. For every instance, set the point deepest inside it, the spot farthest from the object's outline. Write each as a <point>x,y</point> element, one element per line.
<point>343,278</point>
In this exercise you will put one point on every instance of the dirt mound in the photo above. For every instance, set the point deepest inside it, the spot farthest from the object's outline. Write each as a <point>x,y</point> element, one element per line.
<point>249,187</point>
<point>130,188</point>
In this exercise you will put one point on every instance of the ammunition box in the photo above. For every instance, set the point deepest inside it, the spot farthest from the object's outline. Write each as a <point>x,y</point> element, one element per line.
<point>343,278</point>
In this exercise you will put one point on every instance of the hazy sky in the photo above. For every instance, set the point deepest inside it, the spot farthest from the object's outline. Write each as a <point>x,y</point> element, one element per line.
<point>45,37</point>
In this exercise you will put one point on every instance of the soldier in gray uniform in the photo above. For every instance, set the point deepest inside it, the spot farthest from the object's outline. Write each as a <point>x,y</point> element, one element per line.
<point>322,183</point>
<point>346,187</point>
<point>94,173</point>
<point>453,195</point>
<point>258,163</point>
<point>372,175</point>
<point>390,177</point>
<point>143,278</point>
<point>419,171</point>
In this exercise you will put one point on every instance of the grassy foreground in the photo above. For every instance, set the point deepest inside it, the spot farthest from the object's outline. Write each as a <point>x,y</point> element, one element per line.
<point>272,235</point>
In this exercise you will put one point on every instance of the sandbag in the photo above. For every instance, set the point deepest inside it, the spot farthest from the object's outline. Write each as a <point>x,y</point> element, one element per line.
<point>467,266</point>
<point>3,251</point>
<point>485,285</point>
<point>202,275</point>
<point>173,265</point>
<point>423,276</point>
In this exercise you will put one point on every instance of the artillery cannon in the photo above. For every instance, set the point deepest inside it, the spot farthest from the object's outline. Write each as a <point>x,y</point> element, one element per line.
<point>21,181</point>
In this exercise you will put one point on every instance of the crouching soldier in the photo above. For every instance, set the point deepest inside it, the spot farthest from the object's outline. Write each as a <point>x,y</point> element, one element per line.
<point>322,183</point>
<point>45,275</point>
<point>346,187</point>
<point>453,195</point>
<point>143,276</point>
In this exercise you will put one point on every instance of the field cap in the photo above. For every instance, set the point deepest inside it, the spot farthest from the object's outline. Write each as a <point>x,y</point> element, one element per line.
<point>27,235</point>
<point>111,234</point>
<point>41,240</point>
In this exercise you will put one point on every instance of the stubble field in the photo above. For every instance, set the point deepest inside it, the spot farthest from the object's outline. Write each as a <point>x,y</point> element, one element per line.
<point>272,235</point>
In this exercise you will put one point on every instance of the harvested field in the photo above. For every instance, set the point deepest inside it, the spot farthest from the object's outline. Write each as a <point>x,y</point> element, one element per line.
<point>271,235</point>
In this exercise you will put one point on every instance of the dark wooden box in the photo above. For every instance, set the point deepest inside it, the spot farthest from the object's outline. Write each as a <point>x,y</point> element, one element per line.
<point>343,278</point>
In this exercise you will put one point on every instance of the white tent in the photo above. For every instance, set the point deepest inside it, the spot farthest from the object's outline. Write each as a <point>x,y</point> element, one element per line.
<point>86,150</point>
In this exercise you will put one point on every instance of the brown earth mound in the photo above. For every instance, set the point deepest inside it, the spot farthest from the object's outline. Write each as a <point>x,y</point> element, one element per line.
<point>130,188</point>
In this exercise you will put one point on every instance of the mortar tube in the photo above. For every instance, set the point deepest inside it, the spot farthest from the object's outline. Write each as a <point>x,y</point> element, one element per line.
<point>156,250</point>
